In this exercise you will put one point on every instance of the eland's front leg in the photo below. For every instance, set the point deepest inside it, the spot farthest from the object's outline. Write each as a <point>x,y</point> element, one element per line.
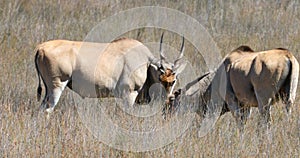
<point>54,94</point>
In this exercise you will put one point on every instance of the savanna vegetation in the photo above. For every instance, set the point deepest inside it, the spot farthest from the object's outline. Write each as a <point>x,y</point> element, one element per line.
<point>26,132</point>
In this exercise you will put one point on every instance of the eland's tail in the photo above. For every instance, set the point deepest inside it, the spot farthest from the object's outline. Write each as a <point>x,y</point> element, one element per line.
<point>294,74</point>
<point>39,89</point>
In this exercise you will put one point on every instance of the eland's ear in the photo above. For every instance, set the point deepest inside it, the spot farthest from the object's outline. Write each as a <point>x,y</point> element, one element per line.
<point>179,66</point>
<point>155,64</point>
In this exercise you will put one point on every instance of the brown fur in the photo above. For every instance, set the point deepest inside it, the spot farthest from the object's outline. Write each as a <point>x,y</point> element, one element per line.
<point>167,79</point>
<point>243,49</point>
<point>254,79</point>
<point>119,39</point>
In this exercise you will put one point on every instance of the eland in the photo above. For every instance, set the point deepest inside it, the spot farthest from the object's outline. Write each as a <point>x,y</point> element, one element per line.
<point>245,79</point>
<point>124,68</point>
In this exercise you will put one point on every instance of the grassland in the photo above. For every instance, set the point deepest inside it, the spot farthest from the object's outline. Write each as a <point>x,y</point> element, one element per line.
<point>26,133</point>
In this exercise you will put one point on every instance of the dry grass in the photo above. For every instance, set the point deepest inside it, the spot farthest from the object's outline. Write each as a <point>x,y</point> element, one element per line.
<point>26,133</point>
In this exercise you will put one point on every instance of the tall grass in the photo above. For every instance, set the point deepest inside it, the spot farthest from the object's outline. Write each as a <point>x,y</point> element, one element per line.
<point>26,133</point>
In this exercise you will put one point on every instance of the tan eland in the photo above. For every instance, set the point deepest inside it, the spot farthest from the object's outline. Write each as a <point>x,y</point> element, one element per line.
<point>117,69</point>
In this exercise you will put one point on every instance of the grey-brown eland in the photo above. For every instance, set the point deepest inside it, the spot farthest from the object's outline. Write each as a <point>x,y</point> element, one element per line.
<point>248,79</point>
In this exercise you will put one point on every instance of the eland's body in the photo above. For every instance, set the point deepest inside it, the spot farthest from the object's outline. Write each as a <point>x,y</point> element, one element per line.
<point>258,79</point>
<point>248,79</point>
<point>94,70</point>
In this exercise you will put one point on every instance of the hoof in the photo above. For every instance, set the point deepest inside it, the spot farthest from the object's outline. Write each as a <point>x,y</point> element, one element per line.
<point>49,110</point>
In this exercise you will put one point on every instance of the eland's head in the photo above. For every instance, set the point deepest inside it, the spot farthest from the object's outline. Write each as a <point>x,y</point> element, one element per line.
<point>170,70</point>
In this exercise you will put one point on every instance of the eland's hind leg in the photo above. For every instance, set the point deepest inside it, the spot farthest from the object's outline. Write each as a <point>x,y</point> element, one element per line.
<point>245,111</point>
<point>264,102</point>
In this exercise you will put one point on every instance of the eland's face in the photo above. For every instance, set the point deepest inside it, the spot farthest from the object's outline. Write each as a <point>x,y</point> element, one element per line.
<point>167,79</point>
<point>169,71</point>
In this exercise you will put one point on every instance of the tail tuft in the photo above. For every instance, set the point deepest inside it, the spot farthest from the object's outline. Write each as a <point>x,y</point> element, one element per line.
<point>39,93</point>
<point>293,83</point>
<point>39,89</point>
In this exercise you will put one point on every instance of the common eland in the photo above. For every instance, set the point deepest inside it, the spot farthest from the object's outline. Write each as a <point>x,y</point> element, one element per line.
<point>249,79</point>
<point>97,70</point>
